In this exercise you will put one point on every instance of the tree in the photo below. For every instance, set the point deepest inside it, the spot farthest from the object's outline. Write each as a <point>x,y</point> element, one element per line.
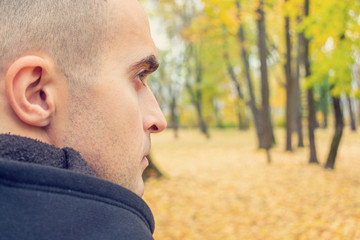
<point>152,170</point>
<point>222,14</point>
<point>339,126</point>
<point>310,97</point>
<point>351,113</point>
<point>258,122</point>
<point>243,122</point>
<point>252,101</point>
<point>265,111</point>
<point>195,90</point>
<point>297,95</point>
<point>331,43</point>
<point>290,87</point>
<point>324,92</point>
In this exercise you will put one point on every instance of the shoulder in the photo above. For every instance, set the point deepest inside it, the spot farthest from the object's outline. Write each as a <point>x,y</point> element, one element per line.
<point>39,202</point>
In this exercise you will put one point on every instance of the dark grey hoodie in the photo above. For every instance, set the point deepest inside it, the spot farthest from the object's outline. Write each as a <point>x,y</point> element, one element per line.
<point>51,193</point>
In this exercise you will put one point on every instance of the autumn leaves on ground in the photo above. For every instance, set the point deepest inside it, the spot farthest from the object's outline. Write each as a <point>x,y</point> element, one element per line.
<point>223,188</point>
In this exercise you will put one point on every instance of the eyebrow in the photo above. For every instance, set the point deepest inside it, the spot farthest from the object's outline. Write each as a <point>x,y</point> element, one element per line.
<point>150,61</point>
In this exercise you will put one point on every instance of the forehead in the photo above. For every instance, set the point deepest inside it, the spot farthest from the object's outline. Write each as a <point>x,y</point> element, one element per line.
<point>131,30</point>
<point>128,10</point>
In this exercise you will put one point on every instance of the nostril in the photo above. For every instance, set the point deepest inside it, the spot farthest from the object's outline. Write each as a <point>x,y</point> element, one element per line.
<point>154,128</point>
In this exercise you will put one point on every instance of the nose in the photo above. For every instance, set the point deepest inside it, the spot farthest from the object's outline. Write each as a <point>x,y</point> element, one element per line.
<point>153,118</point>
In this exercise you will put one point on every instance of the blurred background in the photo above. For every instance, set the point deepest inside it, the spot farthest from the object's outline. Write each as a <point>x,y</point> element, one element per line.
<point>262,102</point>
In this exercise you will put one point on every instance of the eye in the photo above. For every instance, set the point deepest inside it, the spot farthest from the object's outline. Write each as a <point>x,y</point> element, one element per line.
<point>141,77</point>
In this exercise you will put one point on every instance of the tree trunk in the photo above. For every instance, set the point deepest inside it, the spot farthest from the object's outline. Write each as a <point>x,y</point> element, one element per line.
<point>326,121</point>
<point>297,95</point>
<point>289,87</point>
<point>352,117</point>
<point>310,98</point>
<point>199,101</point>
<point>152,170</point>
<point>267,135</point>
<point>268,156</point>
<point>339,126</point>
<point>311,126</point>
<point>196,96</point>
<point>324,104</point>
<point>232,75</point>
<point>202,123</point>
<point>198,107</point>
<point>252,101</point>
<point>316,121</point>
<point>243,122</point>
<point>173,116</point>
<point>218,114</point>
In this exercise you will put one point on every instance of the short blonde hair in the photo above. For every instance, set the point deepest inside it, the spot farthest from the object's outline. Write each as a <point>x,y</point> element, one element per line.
<point>72,32</point>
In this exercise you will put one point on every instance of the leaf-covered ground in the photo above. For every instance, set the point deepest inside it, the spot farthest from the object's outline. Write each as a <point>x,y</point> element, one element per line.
<point>223,189</point>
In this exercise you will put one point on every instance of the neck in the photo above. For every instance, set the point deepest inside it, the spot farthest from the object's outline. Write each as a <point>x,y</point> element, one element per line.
<point>11,124</point>
<point>17,148</point>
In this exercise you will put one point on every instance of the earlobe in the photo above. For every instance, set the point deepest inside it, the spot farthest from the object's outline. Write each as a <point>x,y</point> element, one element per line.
<point>28,89</point>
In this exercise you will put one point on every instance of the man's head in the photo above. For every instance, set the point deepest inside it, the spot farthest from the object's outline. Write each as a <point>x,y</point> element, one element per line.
<point>73,73</point>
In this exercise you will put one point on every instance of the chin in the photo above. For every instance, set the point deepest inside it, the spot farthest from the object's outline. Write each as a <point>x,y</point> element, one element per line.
<point>139,188</point>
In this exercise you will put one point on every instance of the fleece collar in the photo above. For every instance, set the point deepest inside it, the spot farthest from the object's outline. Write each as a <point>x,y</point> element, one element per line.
<point>29,150</point>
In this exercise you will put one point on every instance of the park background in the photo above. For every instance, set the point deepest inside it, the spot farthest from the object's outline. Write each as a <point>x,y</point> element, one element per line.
<point>262,102</point>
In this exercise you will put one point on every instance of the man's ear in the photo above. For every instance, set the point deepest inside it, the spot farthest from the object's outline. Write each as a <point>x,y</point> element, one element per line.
<point>29,89</point>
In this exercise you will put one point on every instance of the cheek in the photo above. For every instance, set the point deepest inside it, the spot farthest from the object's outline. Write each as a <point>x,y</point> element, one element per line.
<point>124,120</point>
<point>111,134</point>
<point>127,112</point>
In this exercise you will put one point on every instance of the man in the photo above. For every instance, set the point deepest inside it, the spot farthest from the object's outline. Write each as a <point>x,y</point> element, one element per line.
<point>76,119</point>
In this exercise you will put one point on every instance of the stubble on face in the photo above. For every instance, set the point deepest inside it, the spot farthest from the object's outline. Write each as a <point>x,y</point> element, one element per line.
<point>103,141</point>
<point>105,120</point>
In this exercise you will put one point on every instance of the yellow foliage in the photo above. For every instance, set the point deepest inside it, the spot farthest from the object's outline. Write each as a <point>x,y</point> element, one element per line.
<point>223,189</point>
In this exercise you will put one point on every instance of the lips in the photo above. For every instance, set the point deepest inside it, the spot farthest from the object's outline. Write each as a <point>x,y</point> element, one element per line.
<point>147,154</point>
<point>144,162</point>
